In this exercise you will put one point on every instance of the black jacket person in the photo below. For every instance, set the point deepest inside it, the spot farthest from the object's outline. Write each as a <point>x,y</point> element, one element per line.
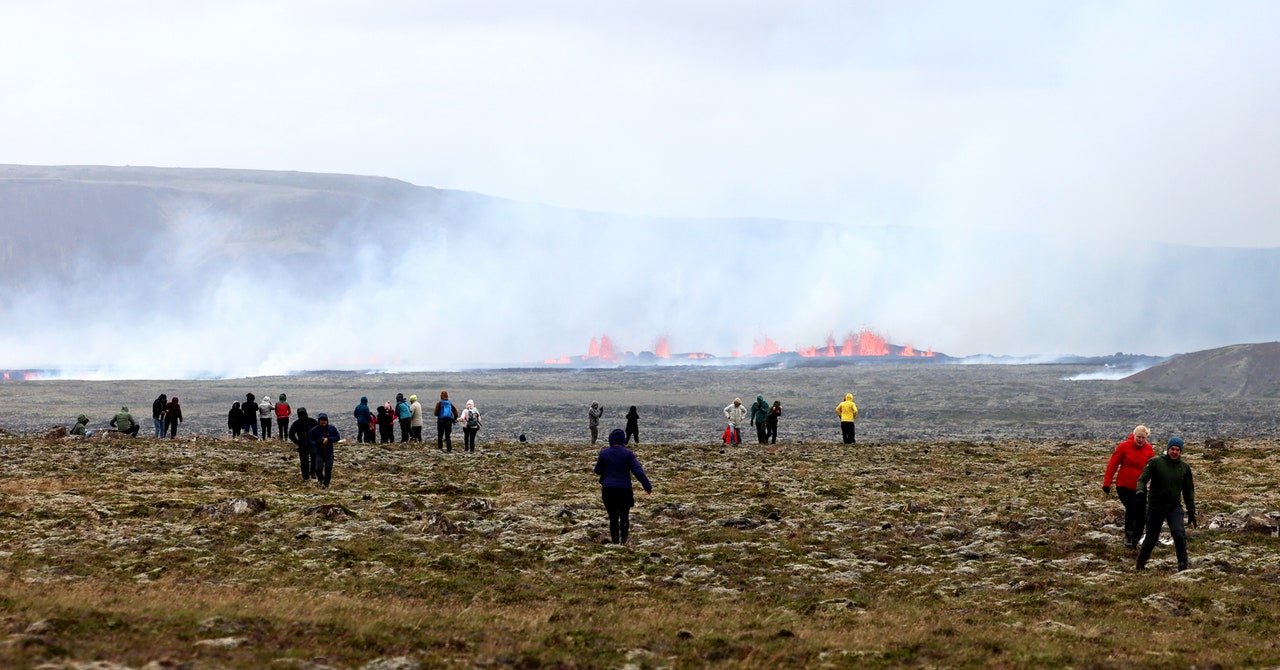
<point>1166,481</point>
<point>300,435</point>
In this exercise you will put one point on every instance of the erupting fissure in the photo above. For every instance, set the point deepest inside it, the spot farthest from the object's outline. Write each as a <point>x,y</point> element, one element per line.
<point>865,342</point>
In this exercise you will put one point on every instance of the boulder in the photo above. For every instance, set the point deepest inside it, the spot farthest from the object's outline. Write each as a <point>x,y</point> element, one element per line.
<point>231,507</point>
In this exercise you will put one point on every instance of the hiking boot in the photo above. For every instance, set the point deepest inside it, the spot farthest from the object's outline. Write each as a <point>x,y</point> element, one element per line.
<point>1182,566</point>
<point>1130,544</point>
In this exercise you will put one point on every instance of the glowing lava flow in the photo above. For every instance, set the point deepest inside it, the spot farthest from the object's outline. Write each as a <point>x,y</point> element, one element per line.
<point>864,343</point>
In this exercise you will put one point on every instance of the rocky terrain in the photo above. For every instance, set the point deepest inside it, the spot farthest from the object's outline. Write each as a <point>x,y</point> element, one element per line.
<point>990,547</point>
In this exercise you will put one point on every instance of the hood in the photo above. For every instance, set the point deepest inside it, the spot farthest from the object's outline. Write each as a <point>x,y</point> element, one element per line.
<point>413,398</point>
<point>82,419</point>
<point>364,400</point>
<point>124,409</point>
<point>617,438</point>
<point>848,397</point>
<point>302,412</point>
<point>760,399</point>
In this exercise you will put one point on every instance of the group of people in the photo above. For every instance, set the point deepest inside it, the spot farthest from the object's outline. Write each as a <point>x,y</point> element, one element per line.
<point>247,417</point>
<point>764,418</point>
<point>596,410</point>
<point>1153,490</point>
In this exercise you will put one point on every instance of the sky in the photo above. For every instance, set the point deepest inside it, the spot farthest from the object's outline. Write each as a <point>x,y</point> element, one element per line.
<point>1146,121</point>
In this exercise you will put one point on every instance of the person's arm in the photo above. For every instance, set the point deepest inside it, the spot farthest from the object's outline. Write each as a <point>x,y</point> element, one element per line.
<point>1145,476</point>
<point>599,469</point>
<point>1112,465</point>
<point>1189,497</point>
<point>638,471</point>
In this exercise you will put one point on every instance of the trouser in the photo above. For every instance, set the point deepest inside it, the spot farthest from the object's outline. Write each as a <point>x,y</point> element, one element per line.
<point>415,433</point>
<point>235,431</point>
<point>324,463</point>
<point>304,462</point>
<point>282,426</point>
<point>404,429</point>
<point>1135,512</point>
<point>771,432</point>
<point>762,433</point>
<point>251,427</point>
<point>1156,518</point>
<point>387,433</point>
<point>847,432</point>
<point>444,434</point>
<point>365,433</point>
<point>618,502</point>
<point>595,433</point>
<point>633,431</point>
<point>266,427</point>
<point>469,438</point>
<point>159,426</point>
<point>132,432</point>
<point>735,435</point>
<point>171,426</point>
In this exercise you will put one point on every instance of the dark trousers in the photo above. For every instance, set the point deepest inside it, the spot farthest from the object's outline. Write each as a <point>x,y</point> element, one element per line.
<point>282,423</point>
<point>444,434</point>
<point>469,438</point>
<point>771,431</point>
<point>1156,518</point>
<point>324,463</point>
<point>386,432</point>
<point>404,430</point>
<point>266,427</point>
<point>171,427</point>
<point>618,502</point>
<point>364,433</point>
<point>415,433</point>
<point>847,433</point>
<point>1135,512</point>
<point>633,432</point>
<point>132,432</point>
<point>235,431</point>
<point>595,433</point>
<point>250,427</point>
<point>762,433</point>
<point>304,462</point>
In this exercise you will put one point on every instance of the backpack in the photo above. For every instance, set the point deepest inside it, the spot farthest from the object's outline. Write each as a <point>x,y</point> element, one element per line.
<point>446,410</point>
<point>473,419</point>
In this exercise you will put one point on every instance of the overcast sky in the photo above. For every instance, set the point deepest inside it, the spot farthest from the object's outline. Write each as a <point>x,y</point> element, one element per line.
<point>1139,120</point>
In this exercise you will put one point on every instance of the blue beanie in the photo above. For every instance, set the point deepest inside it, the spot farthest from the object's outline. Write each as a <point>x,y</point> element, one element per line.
<point>617,438</point>
<point>322,416</point>
<point>1175,441</point>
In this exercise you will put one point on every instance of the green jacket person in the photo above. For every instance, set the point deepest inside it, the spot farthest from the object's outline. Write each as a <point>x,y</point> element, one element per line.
<point>1166,481</point>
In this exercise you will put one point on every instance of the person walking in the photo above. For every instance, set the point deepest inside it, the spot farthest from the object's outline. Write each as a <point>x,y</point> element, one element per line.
<point>300,436</point>
<point>323,437</point>
<point>771,422</point>
<point>364,422</point>
<point>283,412</point>
<point>124,423</point>
<point>470,425</point>
<point>235,420</point>
<point>735,414</point>
<point>172,417</point>
<point>445,414</point>
<point>266,415</point>
<point>593,420</point>
<point>615,465</point>
<point>1126,464</point>
<point>386,423</point>
<point>405,415</point>
<point>415,419</point>
<point>157,414</point>
<point>633,425</point>
<point>249,410</point>
<point>759,415</point>
<point>848,413</point>
<point>1166,481</point>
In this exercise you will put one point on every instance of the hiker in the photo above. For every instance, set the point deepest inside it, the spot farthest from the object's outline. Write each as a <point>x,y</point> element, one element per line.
<point>323,436</point>
<point>1126,464</point>
<point>415,419</point>
<point>283,411</point>
<point>848,413</point>
<point>735,414</point>
<point>300,435</point>
<point>759,414</point>
<point>235,419</point>
<point>79,429</point>
<point>404,413</point>
<point>633,425</point>
<point>593,420</point>
<point>386,423</point>
<point>1164,481</point>
<point>470,425</point>
<point>445,414</point>
<point>771,422</point>
<point>157,414</point>
<point>249,410</point>
<point>172,417</point>
<point>123,422</point>
<point>266,413</point>
<point>615,464</point>
<point>364,422</point>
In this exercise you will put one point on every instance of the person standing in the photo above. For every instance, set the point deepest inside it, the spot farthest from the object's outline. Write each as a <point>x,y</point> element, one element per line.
<point>445,414</point>
<point>323,437</point>
<point>124,423</point>
<point>283,412</point>
<point>470,425</point>
<point>364,422</point>
<point>633,425</point>
<point>615,464</point>
<point>1166,481</point>
<point>386,423</point>
<point>172,417</point>
<point>735,414</point>
<point>266,415</point>
<point>415,419</point>
<point>157,414</point>
<point>771,422</point>
<point>249,408</point>
<point>300,436</point>
<point>848,413</point>
<point>593,420</point>
<point>760,414</point>
<point>405,414</point>
<point>1126,464</point>
<point>235,420</point>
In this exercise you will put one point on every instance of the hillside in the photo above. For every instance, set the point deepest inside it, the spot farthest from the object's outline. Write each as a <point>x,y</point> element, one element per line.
<point>1234,371</point>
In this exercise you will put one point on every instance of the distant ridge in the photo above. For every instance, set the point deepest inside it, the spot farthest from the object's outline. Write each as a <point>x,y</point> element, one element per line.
<point>1234,371</point>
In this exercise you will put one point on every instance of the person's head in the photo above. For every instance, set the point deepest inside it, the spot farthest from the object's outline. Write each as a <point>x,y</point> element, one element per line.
<point>1141,434</point>
<point>1174,450</point>
<point>323,419</point>
<point>364,400</point>
<point>249,397</point>
<point>760,399</point>
<point>444,395</point>
<point>82,419</point>
<point>595,405</point>
<point>413,398</point>
<point>471,404</point>
<point>163,397</point>
<point>302,412</point>
<point>399,397</point>
<point>737,401</point>
<point>617,438</point>
<point>777,403</point>
<point>124,409</point>
<point>235,405</point>
<point>848,397</point>
<point>174,400</point>
<point>281,397</point>
<point>632,410</point>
